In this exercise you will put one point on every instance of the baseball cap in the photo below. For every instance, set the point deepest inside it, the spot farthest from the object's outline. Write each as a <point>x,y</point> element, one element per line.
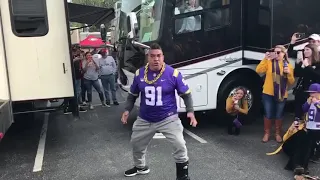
<point>315,37</point>
<point>315,88</point>
<point>103,51</point>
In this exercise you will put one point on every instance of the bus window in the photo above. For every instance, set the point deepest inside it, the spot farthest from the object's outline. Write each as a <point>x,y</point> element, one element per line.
<point>150,17</point>
<point>217,18</point>
<point>188,24</point>
<point>265,3</point>
<point>191,23</point>
<point>29,18</point>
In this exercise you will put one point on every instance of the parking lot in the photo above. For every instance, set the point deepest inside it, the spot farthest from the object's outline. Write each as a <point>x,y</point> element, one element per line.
<point>96,147</point>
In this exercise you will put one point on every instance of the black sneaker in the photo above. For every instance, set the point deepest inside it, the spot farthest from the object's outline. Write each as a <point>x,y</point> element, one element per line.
<point>67,111</point>
<point>81,109</point>
<point>299,170</point>
<point>137,171</point>
<point>115,103</point>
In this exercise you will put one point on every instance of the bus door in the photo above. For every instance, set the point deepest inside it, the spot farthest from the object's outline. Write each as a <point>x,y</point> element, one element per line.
<point>5,103</point>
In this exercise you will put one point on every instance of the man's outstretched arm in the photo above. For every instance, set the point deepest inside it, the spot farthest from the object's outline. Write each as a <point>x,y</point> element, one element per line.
<point>131,99</point>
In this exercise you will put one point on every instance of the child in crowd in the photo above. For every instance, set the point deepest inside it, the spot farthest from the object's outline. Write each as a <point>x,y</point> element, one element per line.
<point>236,107</point>
<point>312,110</point>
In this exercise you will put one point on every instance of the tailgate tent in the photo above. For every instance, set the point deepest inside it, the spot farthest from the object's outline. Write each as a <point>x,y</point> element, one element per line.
<point>92,42</point>
<point>90,15</point>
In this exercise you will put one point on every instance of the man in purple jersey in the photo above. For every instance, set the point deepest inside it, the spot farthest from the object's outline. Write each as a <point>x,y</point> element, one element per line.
<point>157,84</point>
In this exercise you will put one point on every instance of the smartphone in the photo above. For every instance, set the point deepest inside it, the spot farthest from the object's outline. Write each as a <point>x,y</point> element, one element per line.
<point>273,55</point>
<point>299,56</point>
<point>300,35</point>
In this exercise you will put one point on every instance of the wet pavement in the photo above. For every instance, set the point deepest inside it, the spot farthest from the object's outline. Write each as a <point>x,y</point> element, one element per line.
<point>96,147</point>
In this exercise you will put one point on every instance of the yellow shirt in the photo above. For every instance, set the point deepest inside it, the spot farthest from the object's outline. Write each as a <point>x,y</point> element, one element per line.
<point>265,67</point>
<point>230,109</point>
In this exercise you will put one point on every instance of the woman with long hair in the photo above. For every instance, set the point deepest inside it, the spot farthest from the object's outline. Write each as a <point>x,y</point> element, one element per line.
<point>90,78</point>
<point>307,68</point>
<point>308,71</point>
<point>279,75</point>
<point>237,108</point>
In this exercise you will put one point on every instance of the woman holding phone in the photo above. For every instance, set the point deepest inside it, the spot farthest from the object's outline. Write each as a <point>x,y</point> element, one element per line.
<point>91,76</point>
<point>279,75</point>
<point>308,71</point>
<point>237,108</point>
<point>307,68</point>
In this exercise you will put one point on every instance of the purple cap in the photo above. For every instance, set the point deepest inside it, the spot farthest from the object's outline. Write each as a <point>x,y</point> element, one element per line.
<point>315,87</point>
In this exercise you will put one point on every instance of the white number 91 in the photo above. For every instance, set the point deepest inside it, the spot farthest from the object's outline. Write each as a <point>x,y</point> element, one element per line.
<point>153,96</point>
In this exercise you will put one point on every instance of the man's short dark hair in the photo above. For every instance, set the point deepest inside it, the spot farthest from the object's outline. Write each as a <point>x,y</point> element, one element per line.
<point>155,46</point>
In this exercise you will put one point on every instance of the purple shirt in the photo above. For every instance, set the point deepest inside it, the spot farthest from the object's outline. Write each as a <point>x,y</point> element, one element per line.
<point>158,100</point>
<point>312,116</point>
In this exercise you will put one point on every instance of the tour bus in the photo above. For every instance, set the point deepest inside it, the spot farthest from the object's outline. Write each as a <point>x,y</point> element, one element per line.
<point>35,58</point>
<point>215,44</point>
<point>115,23</point>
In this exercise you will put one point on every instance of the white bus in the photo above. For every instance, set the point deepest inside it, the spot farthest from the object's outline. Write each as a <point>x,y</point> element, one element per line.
<point>114,30</point>
<point>215,44</point>
<point>34,54</point>
<point>35,59</point>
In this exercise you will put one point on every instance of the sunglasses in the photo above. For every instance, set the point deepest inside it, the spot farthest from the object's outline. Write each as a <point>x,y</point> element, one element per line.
<point>278,52</point>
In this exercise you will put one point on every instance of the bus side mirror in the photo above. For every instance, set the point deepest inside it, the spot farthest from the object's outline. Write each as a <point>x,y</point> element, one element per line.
<point>132,25</point>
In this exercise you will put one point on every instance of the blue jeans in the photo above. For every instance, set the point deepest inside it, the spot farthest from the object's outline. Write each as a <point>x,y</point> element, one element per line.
<point>108,82</point>
<point>96,85</point>
<point>78,89</point>
<point>273,109</point>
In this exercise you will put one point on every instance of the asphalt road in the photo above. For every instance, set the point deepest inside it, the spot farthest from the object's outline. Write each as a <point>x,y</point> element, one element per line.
<point>96,147</point>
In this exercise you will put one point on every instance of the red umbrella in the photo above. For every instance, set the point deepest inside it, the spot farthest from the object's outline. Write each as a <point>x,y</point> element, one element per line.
<point>92,41</point>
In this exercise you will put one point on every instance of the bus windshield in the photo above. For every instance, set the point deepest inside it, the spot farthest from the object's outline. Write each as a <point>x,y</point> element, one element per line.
<point>148,14</point>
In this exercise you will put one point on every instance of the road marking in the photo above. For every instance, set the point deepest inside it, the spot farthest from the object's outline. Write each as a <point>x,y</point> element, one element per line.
<point>95,105</point>
<point>42,143</point>
<point>195,136</point>
<point>159,136</point>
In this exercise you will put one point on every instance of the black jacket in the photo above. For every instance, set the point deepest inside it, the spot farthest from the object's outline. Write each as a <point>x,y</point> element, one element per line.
<point>77,68</point>
<point>292,53</point>
<point>307,76</point>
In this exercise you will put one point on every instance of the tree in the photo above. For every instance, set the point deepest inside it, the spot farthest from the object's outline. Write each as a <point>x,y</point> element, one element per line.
<point>98,3</point>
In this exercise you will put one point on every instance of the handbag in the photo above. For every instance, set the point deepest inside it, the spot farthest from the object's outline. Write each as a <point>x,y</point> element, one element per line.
<point>237,123</point>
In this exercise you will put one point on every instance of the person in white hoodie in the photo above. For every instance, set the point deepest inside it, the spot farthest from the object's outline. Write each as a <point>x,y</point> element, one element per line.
<point>91,77</point>
<point>108,69</point>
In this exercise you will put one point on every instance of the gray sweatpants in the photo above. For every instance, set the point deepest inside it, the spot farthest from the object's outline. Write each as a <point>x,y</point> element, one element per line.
<point>143,132</point>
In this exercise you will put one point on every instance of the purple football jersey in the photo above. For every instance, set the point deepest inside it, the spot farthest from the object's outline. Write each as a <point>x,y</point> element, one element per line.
<point>158,100</point>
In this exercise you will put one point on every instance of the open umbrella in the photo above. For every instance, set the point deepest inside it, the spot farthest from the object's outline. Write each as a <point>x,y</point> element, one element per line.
<point>92,42</point>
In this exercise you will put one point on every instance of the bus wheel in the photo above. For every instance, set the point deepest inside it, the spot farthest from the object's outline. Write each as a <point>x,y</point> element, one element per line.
<point>254,90</point>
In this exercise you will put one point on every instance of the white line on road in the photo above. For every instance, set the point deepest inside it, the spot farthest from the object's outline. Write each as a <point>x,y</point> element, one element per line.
<point>195,136</point>
<point>95,105</point>
<point>42,143</point>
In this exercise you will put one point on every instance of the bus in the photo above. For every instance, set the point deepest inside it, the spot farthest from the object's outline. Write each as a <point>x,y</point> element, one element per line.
<point>114,30</point>
<point>35,54</point>
<point>215,44</point>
